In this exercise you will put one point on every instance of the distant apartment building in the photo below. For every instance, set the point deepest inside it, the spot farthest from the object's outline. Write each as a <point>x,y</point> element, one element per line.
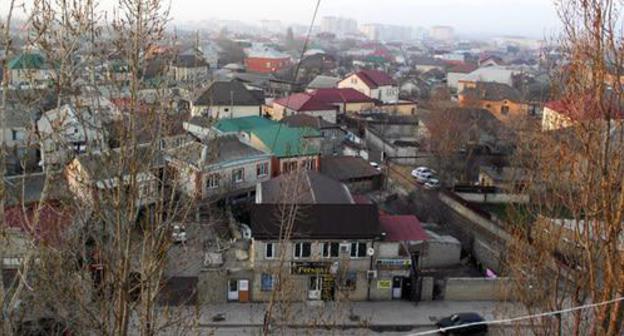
<point>382,32</point>
<point>339,25</point>
<point>442,33</point>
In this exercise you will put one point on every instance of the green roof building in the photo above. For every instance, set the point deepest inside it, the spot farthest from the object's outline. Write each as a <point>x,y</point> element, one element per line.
<point>28,61</point>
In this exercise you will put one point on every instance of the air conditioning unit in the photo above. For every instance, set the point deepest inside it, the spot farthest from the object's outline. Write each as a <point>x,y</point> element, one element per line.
<point>371,274</point>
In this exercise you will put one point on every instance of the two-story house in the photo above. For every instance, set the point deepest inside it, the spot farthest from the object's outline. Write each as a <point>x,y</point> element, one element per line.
<point>373,83</point>
<point>189,67</point>
<point>67,131</point>
<point>94,178</point>
<point>228,99</point>
<point>221,167</point>
<point>29,70</point>
<point>327,252</point>
<point>292,148</point>
<point>503,101</point>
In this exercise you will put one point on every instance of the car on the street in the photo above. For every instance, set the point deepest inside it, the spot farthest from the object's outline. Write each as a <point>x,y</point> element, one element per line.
<point>432,183</point>
<point>424,177</point>
<point>178,234</point>
<point>463,324</point>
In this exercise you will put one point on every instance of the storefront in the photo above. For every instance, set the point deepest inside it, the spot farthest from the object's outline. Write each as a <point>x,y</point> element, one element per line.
<point>394,281</point>
<point>321,282</point>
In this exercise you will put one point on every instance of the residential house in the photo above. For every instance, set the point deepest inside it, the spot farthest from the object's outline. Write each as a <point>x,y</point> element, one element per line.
<point>29,69</point>
<point>332,248</point>
<point>93,178</point>
<point>189,67</point>
<point>510,179</point>
<point>425,64</point>
<point>227,99</point>
<point>325,103</point>
<point>322,82</point>
<point>502,100</point>
<point>373,83</point>
<point>292,148</point>
<point>392,136</point>
<point>497,74</point>
<point>221,167</point>
<point>457,72</point>
<point>356,173</point>
<point>266,60</point>
<point>332,134</point>
<point>67,131</point>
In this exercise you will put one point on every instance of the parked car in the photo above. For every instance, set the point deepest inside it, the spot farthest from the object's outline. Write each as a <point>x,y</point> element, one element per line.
<point>178,234</point>
<point>432,183</point>
<point>424,177</point>
<point>474,324</point>
<point>421,170</point>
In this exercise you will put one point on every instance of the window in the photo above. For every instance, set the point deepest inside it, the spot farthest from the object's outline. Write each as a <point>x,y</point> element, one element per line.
<point>269,250</point>
<point>212,181</point>
<point>17,135</point>
<point>330,250</point>
<point>309,164</point>
<point>226,109</point>
<point>267,282</point>
<point>302,250</point>
<point>262,169</point>
<point>268,64</point>
<point>353,80</point>
<point>238,175</point>
<point>504,109</point>
<point>358,250</point>
<point>290,166</point>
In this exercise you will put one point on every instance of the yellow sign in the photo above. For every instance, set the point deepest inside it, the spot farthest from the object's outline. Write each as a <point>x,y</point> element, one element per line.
<point>384,284</point>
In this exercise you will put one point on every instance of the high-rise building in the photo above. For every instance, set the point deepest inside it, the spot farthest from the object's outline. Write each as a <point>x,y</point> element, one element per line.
<point>382,32</point>
<point>339,25</point>
<point>442,33</point>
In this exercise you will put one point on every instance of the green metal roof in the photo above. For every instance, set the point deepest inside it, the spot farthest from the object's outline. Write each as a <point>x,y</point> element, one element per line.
<point>243,124</point>
<point>278,139</point>
<point>27,61</point>
<point>284,141</point>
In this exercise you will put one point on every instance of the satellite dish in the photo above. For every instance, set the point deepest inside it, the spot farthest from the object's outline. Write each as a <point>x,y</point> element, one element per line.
<point>370,252</point>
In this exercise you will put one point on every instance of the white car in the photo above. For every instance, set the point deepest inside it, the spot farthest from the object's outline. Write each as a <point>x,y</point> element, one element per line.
<point>432,184</point>
<point>424,177</point>
<point>178,234</point>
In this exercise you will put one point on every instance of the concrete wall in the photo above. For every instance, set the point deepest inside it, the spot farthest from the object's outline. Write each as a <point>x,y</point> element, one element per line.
<point>494,198</point>
<point>225,111</point>
<point>477,289</point>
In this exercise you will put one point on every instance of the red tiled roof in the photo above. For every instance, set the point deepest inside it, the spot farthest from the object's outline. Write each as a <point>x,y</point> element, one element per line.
<point>322,99</point>
<point>463,68</point>
<point>53,220</point>
<point>402,228</point>
<point>585,108</point>
<point>375,78</point>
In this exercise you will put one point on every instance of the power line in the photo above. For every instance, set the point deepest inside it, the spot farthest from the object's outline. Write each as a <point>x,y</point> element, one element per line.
<point>296,74</point>
<point>521,318</point>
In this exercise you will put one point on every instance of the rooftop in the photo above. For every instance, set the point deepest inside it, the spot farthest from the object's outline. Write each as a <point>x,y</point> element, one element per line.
<point>343,168</point>
<point>230,92</point>
<point>220,150</point>
<point>402,228</point>
<point>493,91</point>
<point>375,78</point>
<point>304,187</point>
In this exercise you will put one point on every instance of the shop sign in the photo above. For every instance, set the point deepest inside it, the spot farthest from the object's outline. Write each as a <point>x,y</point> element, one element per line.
<point>384,284</point>
<point>310,267</point>
<point>394,264</point>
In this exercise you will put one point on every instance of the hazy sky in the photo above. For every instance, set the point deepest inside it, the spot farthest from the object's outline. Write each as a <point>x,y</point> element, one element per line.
<point>534,18</point>
<point>523,17</point>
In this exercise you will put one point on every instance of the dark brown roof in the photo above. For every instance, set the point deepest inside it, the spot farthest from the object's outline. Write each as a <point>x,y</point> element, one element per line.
<point>493,91</point>
<point>228,93</point>
<point>318,221</point>
<point>305,120</point>
<point>309,187</point>
<point>344,168</point>
<point>189,61</point>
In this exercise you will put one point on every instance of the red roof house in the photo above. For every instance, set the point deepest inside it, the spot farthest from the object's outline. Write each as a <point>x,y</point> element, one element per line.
<point>402,228</point>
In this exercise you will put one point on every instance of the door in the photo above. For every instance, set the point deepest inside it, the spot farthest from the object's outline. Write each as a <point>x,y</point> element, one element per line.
<point>314,287</point>
<point>243,290</point>
<point>232,294</point>
<point>397,283</point>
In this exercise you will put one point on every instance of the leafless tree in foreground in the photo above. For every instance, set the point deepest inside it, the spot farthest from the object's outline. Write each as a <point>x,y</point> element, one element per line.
<point>569,248</point>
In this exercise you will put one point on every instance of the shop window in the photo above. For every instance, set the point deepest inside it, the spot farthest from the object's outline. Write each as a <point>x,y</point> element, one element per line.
<point>358,250</point>
<point>267,282</point>
<point>303,250</point>
<point>330,250</point>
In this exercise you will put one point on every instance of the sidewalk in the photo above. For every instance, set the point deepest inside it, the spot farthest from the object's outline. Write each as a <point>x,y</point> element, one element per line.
<point>395,314</point>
